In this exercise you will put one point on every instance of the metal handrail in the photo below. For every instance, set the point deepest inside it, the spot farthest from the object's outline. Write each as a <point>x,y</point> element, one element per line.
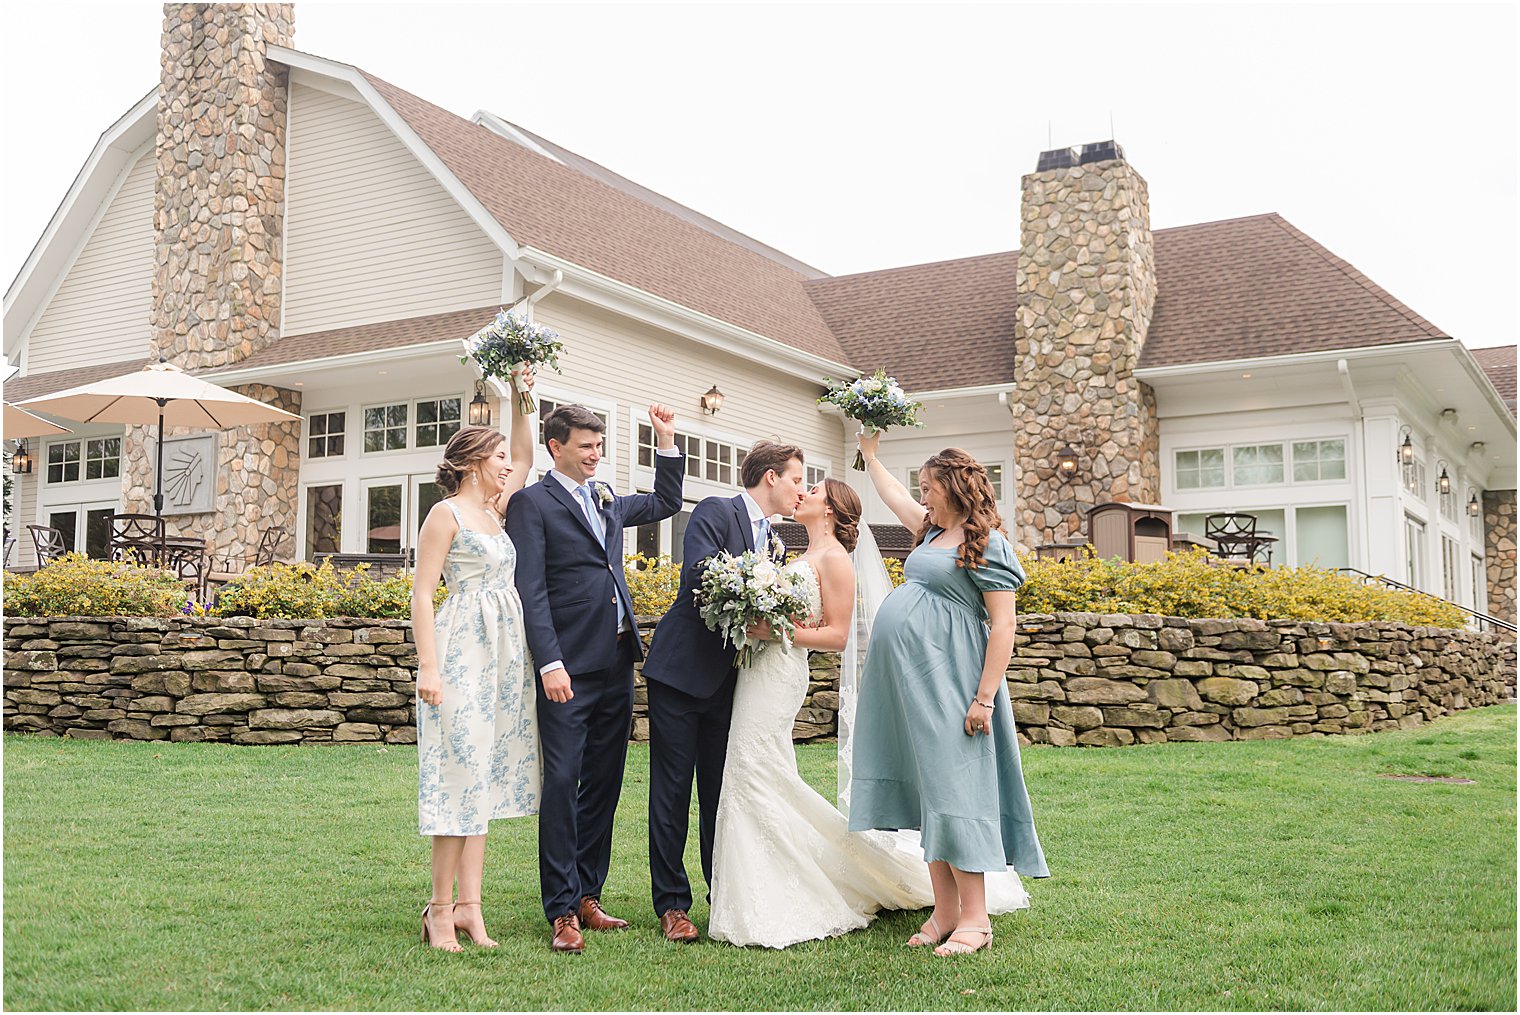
<point>1393,583</point>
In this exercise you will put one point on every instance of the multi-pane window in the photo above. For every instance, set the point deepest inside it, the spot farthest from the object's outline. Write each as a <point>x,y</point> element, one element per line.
<point>102,458</point>
<point>385,427</point>
<point>1414,478</point>
<point>995,477</point>
<point>1201,469</point>
<point>1319,460</point>
<point>324,434</point>
<point>437,421</point>
<point>815,475</point>
<point>1258,464</point>
<point>63,462</point>
<point>713,460</point>
<point>914,490</point>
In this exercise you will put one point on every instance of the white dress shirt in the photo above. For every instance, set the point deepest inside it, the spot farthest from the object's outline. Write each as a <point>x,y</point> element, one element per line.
<point>599,525</point>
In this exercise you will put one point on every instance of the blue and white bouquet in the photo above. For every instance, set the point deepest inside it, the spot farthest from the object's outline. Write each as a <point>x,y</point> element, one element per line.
<point>739,591</point>
<point>508,343</point>
<point>876,402</point>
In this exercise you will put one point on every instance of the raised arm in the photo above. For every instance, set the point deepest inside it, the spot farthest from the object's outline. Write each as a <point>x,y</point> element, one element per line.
<point>836,587</point>
<point>893,494</point>
<point>521,444</point>
<point>433,544</point>
<point>669,472</point>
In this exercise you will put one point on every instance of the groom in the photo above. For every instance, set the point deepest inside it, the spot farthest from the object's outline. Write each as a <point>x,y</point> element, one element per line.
<point>578,617</point>
<point>691,677</point>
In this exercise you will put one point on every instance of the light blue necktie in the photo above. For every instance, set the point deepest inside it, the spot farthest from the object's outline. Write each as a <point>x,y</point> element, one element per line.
<point>764,543</point>
<point>584,491</point>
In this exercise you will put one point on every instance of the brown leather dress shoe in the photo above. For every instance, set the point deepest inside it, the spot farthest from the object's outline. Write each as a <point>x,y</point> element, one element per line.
<point>594,917</point>
<point>678,926</point>
<point>567,935</point>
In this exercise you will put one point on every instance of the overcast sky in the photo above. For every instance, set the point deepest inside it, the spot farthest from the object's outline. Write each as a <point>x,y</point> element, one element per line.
<point>865,136</point>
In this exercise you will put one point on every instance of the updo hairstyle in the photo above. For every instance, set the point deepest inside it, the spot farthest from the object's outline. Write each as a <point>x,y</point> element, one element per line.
<point>466,449</point>
<point>846,505</point>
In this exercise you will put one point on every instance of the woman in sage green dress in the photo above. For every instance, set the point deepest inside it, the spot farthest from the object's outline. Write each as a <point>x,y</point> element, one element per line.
<point>935,745</point>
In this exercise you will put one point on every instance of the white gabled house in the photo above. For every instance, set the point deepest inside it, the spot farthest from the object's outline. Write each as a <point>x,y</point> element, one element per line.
<point>327,243</point>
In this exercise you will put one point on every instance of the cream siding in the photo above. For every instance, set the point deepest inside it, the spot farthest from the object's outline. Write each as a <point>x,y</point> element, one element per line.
<point>610,357</point>
<point>102,310</point>
<point>24,505</point>
<point>370,234</point>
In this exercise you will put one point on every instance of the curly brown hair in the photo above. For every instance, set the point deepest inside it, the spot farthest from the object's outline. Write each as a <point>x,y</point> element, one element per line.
<point>970,493</point>
<point>467,448</point>
<point>846,505</point>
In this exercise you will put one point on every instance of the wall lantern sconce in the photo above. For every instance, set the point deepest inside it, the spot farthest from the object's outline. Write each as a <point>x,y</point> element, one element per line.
<point>1473,507</point>
<point>480,409</point>
<point>1443,482</point>
<point>1066,462</point>
<point>1406,448</point>
<point>712,401</point>
<point>21,461</point>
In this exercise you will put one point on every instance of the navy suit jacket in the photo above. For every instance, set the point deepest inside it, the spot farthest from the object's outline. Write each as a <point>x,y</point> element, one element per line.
<point>566,577</point>
<point>684,653</point>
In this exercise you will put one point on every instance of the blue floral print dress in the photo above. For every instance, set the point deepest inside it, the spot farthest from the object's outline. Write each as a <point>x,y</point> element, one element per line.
<point>477,753</point>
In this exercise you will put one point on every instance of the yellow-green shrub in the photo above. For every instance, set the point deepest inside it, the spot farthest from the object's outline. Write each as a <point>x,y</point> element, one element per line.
<point>75,585</point>
<point>894,570</point>
<point>305,591</point>
<point>652,582</point>
<point>1187,585</point>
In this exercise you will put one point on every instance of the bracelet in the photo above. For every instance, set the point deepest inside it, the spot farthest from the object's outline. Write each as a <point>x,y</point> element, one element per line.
<point>983,704</point>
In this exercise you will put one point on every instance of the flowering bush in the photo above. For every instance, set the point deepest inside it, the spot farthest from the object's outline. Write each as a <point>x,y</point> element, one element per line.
<point>306,591</point>
<point>1187,585</point>
<point>894,570</point>
<point>876,402</point>
<point>652,582</point>
<point>75,585</point>
<point>739,591</point>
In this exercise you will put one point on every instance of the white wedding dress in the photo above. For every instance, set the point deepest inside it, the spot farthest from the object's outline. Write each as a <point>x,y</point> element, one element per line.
<point>786,867</point>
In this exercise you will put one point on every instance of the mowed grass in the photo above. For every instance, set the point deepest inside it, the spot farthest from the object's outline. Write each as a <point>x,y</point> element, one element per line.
<point>1266,875</point>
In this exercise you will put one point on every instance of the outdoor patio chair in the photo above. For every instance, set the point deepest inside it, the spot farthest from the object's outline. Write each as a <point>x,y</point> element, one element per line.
<point>10,544</point>
<point>225,567</point>
<point>48,542</point>
<point>137,537</point>
<point>1235,536</point>
<point>186,558</point>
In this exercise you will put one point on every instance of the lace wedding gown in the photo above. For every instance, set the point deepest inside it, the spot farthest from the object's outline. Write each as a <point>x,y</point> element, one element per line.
<point>786,868</point>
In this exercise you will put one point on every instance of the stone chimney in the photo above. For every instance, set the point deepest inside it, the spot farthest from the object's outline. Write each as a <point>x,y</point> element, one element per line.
<point>219,211</point>
<point>1086,290</point>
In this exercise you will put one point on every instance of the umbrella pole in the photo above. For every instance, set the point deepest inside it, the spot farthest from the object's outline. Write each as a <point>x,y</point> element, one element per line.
<point>158,482</point>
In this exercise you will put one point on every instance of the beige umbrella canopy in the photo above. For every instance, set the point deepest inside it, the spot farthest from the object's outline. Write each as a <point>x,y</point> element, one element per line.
<point>20,423</point>
<point>164,392</point>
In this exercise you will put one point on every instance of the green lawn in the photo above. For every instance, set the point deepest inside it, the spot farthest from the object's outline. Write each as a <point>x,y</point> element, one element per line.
<point>1263,875</point>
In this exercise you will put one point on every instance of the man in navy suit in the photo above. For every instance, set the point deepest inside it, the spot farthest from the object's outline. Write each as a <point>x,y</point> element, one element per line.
<point>691,678</point>
<point>579,621</point>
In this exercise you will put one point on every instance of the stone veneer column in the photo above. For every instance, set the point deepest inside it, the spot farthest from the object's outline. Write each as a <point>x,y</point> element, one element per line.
<point>1086,288</point>
<point>1499,552</point>
<point>219,210</point>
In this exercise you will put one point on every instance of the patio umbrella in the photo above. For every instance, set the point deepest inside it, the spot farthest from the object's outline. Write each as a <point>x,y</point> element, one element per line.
<point>165,392</point>
<point>20,423</point>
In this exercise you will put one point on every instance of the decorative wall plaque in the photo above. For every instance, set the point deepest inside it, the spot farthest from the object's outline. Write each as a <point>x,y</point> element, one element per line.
<point>189,474</point>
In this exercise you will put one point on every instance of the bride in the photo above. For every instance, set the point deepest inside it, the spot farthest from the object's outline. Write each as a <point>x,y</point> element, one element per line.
<point>785,866</point>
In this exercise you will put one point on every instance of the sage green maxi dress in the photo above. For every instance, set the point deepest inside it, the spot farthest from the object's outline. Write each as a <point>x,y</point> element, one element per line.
<point>913,765</point>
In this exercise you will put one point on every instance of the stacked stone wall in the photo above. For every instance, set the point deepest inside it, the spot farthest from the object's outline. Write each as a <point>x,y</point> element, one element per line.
<point>1499,551</point>
<point>1086,289</point>
<point>1075,679</point>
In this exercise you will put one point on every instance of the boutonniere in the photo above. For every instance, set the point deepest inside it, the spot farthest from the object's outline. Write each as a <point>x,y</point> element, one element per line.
<point>604,494</point>
<point>777,547</point>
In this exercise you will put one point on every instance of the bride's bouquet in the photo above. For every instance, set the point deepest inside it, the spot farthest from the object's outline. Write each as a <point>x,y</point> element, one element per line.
<point>509,342</point>
<point>739,591</point>
<point>876,402</point>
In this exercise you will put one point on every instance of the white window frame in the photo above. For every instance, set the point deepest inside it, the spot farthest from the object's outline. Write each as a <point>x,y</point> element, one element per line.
<point>1292,460</point>
<point>344,485</point>
<point>1225,450</point>
<point>348,435</point>
<point>81,509</point>
<point>411,434</point>
<point>406,429</point>
<point>1230,465</point>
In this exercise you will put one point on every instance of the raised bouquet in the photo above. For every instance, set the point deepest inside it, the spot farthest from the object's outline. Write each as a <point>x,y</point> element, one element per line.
<point>876,402</point>
<point>508,343</point>
<point>739,591</point>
